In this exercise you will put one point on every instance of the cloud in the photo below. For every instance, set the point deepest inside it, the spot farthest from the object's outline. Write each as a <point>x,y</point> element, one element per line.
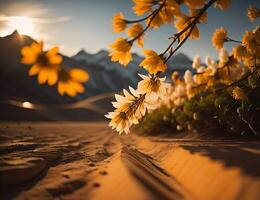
<point>37,20</point>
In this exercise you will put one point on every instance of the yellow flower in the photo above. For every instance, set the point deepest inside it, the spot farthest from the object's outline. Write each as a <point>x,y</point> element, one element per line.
<point>194,3</point>
<point>135,31</point>
<point>70,81</point>
<point>222,4</point>
<point>253,13</point>
<point>188,79</point>
<point>171,4</point>
<point>155,21</point>
<point>170,10</point>
<point>119,23</point>
<point>120,51</point>
<point>181,24</point>
<point>152,85</point>
<point>44,63</point>
<point>166,15</point>
<point>240,53</point>
<point>175,76</point>
<point>203,18</point>
<point>142,6</point>
<point>249,40</point>
<point>218,38</point>
<point>153,62</point>
<point>239,94</point>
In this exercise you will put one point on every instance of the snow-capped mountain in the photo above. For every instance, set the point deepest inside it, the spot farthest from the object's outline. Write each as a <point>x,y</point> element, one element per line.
<point>111,72</point>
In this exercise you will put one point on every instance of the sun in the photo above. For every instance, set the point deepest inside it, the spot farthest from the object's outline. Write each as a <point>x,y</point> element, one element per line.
<point>23,24</point>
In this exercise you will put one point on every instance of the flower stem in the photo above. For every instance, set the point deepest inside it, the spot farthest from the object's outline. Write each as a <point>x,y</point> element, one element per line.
<point>231,40</point>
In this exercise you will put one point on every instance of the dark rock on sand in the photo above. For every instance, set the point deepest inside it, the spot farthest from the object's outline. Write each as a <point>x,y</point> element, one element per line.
<point>17,170</point>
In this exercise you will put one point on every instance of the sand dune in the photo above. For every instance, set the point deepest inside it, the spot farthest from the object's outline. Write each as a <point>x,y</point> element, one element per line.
<point>89,161</point>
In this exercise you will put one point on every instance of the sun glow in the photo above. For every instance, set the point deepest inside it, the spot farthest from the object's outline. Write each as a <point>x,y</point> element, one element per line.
<point>27,105</point>
<point>23,24</point>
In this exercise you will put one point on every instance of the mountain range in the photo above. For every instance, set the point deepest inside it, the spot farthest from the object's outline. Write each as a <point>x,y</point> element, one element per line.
<point>105,75</point>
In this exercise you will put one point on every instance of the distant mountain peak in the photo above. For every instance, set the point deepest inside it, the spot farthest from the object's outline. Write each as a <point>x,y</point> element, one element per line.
<point>14,34</point>
<point>81,52</point>
<point>102,51</point>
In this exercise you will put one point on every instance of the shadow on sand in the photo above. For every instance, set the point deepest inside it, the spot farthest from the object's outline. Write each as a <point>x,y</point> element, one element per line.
<point>236,154</point>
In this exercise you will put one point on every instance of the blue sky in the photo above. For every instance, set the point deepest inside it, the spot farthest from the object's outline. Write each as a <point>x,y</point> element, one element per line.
<point>78,24</point>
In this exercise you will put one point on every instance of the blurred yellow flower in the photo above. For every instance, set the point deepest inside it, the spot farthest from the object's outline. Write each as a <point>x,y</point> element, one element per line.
<point>70,81</point>
<point>175,76</point>
<point>119,23</point>
<point>153,62</point>
<point>194,3</point>
<point>218,38</point>
<point>253,13</point>
<point>203,18</point>
<point>142,6</point>
<point>249,40</point>
<point>170,10</point>
<point>170,4</point>
<point>181,24</point>
<point>240,53</point>
<point>167,10</point>
<point>239,94</point>
<point>135,31</point>
<point>120,51</point>
<point>155,22</point>
<point>44,63</point>
<point>222,4</point>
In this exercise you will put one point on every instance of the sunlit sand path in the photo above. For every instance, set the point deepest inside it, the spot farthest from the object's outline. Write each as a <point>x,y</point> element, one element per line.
<point>88,161</point>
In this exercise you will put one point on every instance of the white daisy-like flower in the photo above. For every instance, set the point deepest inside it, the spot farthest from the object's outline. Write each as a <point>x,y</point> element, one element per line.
<point>213,67</point>
<point>208,60</point>
<point>196,62</point>
<point>152,86</point>
<point>179,94</point>
<point>188,78</point>
<point>223,56</point>
<point>129,108</point>
<point>201,69</point>
<point>126,113</point>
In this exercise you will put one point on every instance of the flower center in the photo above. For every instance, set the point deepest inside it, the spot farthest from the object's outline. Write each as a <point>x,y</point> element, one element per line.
<point>43,60</point>
<point>64,76</point>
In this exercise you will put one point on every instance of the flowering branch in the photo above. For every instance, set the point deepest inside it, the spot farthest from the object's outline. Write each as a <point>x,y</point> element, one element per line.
<point>234,83</point>
<point>152,15</point>
<point>190,26</point>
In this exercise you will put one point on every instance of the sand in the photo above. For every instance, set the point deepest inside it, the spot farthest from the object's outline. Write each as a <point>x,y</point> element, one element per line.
<point>63,160</point>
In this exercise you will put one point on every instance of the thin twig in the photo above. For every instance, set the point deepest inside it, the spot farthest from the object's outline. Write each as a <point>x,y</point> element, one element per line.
<point>231,40</point>
<point>139,20</point>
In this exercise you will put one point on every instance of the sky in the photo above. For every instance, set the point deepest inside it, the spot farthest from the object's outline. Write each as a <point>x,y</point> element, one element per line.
<point>86,24</point>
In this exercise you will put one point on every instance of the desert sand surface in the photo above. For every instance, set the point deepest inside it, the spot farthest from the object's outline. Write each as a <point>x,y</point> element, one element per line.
<point>65,160</point>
